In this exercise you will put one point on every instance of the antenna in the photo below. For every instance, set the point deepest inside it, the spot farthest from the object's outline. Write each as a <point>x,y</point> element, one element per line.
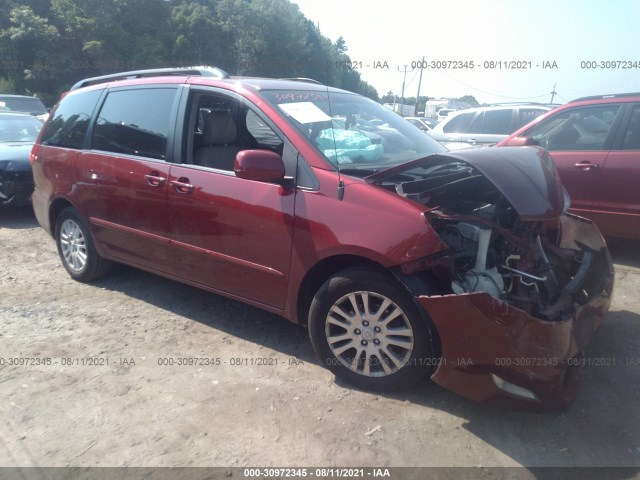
<point>335,149</point>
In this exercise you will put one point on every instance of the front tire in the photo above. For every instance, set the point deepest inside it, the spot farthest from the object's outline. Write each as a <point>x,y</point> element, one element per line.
<point>366,328</point>
<point>76,249</point>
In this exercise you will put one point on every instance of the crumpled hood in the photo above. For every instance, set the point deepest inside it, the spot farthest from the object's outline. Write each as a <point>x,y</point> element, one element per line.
<point>14,156</point>
<point>525,176</point>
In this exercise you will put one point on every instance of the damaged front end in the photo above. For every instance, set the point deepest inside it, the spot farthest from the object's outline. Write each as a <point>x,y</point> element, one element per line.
<point>16,179</point>
<point>523,285</point>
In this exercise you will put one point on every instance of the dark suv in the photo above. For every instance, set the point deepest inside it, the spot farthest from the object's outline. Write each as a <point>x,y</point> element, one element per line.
<point>403,262</point>
<point>595,144</point>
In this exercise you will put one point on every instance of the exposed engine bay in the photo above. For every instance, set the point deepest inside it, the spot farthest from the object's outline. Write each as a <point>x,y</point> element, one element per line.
<point>513,254</point>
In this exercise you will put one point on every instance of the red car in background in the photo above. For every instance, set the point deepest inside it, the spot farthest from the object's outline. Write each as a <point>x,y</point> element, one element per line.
<point>595,145</point>
<point>403,262</point>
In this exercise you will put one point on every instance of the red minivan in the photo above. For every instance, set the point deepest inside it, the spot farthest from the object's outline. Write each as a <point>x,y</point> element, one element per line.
<point>404,261</point>
<point>595,144</point>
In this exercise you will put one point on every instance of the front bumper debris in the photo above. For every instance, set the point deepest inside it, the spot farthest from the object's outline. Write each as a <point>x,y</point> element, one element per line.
<point>495,353</point>
<point>16,188</point>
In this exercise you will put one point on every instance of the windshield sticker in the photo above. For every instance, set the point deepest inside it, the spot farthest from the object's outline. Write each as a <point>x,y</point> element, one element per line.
<point>284,97</point>
<point>304,112</point>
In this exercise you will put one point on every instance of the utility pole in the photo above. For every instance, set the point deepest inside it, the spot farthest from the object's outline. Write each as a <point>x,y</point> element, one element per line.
<point>553,93</point>
<point>415,109</point>
<point>403,82</point>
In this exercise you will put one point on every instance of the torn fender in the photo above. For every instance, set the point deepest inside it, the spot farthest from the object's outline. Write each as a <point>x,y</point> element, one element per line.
<point>481,335</point>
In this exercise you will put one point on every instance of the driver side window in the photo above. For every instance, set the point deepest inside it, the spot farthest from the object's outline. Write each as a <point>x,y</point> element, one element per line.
<point>223,127</point>
<point>577,129</point>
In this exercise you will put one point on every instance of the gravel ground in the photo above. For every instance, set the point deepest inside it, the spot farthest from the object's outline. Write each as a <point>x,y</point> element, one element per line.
<point>110,397</point>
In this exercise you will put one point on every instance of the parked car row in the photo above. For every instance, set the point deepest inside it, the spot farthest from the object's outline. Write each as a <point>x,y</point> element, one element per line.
<point>404,260</point>
<point>483,126</point>
<point>594,142</point>
<point>611,165</point>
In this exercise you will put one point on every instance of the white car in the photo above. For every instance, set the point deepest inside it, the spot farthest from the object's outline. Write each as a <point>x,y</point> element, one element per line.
<point>484,126</point>
<point>444,113</point>
<point>419,122</point>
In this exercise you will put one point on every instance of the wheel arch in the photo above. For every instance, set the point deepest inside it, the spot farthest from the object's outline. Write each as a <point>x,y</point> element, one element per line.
<point>422,283</point>
<point>320,273</point>
<point>383,284</point>
<point>425,284</point>
<point>56,207</point>
<point>418,284</point>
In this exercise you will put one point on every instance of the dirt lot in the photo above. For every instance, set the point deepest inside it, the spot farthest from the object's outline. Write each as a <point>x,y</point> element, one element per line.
<point>263,400</point>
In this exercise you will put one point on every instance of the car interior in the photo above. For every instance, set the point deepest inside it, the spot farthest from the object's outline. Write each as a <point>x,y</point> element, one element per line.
<point>222,127</point>
<point>584,129</point>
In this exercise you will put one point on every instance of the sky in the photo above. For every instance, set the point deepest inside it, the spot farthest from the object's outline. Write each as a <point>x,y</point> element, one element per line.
<point>558,41</point>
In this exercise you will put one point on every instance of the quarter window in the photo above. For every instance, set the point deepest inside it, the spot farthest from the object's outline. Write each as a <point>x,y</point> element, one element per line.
<point>135,122</point>
<point>68,124</point>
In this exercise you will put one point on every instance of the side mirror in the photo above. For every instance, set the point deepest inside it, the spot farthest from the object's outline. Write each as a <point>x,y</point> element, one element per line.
<point>260,166</point>
<point>520,142</point>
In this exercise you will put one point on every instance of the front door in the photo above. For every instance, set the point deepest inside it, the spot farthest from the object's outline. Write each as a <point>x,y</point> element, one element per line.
<point>230,234</point>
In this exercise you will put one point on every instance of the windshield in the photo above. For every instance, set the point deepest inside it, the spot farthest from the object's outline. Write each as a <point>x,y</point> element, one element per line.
<point>351,131</point>
<point>15,128</point>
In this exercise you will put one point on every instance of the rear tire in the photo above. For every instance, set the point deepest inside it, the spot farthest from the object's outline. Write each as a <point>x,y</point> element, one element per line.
<point>366,328</point>
<point>76,248</point>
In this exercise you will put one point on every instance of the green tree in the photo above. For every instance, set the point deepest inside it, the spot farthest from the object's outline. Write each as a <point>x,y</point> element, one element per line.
<point>47,45</point>
<point>470,99</point>
<point>22,40</point>
<point>199,38</point>
<point>389,97</point>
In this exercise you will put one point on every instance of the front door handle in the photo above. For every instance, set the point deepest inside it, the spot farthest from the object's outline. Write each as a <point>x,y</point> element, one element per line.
<point>587,166</point>
<point>182,185</point>
<point>154,179</point>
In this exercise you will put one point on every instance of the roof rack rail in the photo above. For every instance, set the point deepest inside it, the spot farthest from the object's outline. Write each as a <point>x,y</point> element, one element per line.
<point>203,71</point>
<point>303,79</point>
<point>602,97</point>
<point>506,104</point>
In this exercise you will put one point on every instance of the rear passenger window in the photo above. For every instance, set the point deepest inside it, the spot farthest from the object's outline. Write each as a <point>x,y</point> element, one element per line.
<point>497,122</point>
<point>68,124</point>
<point>476,126</point>
<point>135,122</point>
<point>459,123</point>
